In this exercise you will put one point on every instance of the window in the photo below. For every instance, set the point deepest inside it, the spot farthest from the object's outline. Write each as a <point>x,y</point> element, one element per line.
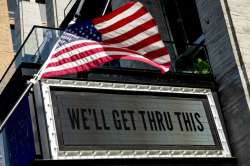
<point>40,1</point>
<point>184,23</point>
<point>93,8</point>
<point>13,35</point>
<point>11,8</point>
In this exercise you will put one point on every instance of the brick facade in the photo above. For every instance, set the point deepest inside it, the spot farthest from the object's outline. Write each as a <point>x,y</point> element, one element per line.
<point>6,48</point>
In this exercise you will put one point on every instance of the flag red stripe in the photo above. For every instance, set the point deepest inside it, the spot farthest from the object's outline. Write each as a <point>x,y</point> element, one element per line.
<point>150,55</point>
<point>143,43</point>
<point>97,62</point>
<point>113,13</point>
<point>132,33</point>
<point>75,57</point>
<point>167,65</point>
<point>123,22</point>
<point>106,48</point>
<point>80,45</point>
<point>89,53</point>
<point>156,53</point>
<point>83,55</point>
<point>71,48</point>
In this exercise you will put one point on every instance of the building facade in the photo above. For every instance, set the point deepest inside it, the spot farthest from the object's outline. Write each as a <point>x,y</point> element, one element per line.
<point>226,31</point>
<point>218,29</point>
<point>6,48</point>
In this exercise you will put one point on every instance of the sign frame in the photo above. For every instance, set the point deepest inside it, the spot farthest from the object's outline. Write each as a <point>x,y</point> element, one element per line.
<point>220,150</point>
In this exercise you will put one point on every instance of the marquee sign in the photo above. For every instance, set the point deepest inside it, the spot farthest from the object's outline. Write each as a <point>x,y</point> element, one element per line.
<point>88,120</point>
<point>112,120</point>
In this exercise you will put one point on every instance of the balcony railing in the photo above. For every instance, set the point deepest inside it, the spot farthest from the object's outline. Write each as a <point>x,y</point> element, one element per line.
<point>35,49</point>
<point>40,41</point>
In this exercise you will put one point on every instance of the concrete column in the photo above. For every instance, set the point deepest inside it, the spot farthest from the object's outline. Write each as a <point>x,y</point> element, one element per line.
<point>225,24</point>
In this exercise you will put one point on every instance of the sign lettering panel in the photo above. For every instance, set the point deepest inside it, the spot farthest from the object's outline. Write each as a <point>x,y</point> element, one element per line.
<point>118,121</point>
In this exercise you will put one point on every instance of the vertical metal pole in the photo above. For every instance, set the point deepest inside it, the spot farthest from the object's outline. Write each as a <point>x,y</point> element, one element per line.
<point>77,14</point>
<point>106,7</point>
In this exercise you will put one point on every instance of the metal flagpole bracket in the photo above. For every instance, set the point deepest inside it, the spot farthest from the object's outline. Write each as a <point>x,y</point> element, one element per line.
<point>33,81</point>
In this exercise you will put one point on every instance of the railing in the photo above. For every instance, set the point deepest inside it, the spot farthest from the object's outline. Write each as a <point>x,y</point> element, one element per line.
<point>40,41</point>
<point>193,58</point>
<point>35,49</point>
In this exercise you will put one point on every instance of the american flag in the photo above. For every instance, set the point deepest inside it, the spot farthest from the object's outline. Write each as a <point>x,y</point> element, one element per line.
<point>129,32</point>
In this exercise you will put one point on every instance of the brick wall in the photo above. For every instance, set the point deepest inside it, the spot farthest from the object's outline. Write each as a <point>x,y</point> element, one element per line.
<point>6,48</point>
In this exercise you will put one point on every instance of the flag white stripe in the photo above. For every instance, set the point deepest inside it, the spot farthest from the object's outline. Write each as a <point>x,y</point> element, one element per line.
<point>127,27</point>
<point>162,59</point>
<point>75,52</point>
<point>89,59</point>
<point>119,17</point>
<point>152,47</point>
<point>61,63</point>
<point>80,50</point>
<point>137,38</point>
<point>76,63</point>
<point>79,41</point>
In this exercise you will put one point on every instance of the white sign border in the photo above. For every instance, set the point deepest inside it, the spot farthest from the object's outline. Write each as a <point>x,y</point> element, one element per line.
<point>56,154</point>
